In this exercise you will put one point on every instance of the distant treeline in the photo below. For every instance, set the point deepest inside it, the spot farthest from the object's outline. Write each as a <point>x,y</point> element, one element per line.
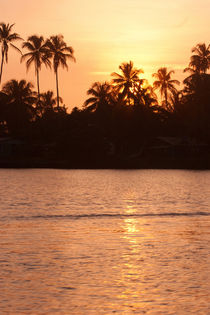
<point>119,117</point>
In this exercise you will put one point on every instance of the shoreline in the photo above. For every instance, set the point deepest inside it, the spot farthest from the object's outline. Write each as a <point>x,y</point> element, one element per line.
<point>143,163</point>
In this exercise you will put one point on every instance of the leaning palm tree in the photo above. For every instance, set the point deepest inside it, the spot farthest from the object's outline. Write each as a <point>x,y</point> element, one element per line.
<point>38,54</point>
<point>124,82</point>
<point>200,61</point>
<point>100,96</point>
<point>6,39</point>
<point>60,53</point>
<point>164,83</point>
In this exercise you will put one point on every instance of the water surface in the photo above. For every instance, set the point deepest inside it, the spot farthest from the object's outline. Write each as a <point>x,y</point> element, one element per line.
<point>104,242</point>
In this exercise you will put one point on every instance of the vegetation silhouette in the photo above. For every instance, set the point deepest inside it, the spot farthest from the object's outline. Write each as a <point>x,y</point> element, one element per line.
<point>165,84</point>
<point>6,40</point>
<point>124,82</point>
<point>101,96</point>
<point>38,54</point>
<point>48,103</point>
<point>60,52</point>
<point>200,61</point>
<point>122,123</point>
<point>19,99</point>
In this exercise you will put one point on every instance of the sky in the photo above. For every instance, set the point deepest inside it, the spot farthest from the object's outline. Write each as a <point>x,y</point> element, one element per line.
<point>105,33</point>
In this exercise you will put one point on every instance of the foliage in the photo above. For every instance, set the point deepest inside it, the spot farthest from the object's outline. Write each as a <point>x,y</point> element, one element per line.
<point>60,53</point>
<point>19,99</point>
<point>118,119</point>
<point>6,40</point>
<point>101,96</point>
<point>38,54</point>
<point>165,84</point>
<point>200,61</point>
<point>124,83</point>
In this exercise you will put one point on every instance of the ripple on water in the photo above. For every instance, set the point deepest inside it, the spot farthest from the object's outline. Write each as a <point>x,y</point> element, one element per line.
<point>103,242</point>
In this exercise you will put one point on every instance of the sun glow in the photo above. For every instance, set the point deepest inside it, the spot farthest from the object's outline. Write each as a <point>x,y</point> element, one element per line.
<point>104,34</point>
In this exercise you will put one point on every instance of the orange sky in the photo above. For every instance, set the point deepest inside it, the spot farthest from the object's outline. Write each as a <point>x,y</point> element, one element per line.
<point>105,33</point>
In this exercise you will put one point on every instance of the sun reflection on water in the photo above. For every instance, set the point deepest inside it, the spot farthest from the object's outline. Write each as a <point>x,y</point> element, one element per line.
<point>131,277</point>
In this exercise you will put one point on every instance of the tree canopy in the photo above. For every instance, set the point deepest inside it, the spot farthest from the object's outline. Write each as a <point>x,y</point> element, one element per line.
<point>119,118</point>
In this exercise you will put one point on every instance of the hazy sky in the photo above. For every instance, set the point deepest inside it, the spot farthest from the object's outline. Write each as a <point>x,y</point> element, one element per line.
<point>105,33</point>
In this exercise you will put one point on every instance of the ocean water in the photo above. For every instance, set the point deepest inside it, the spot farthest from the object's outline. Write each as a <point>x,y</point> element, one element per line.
<point>97,242</point>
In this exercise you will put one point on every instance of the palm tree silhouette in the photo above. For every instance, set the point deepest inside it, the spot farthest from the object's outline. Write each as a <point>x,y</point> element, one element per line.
<point>143,94</point>
<point>200,61</point>
<point>164,83</point>
<point>48,99</point>
<point>47,102</point>
<point>6,39</point>
<point>124,82</point>
<point>20,99</point>
<point>19,91</point>
<point>101,93</point>
<point>38,54</point>
<point>60,52</point>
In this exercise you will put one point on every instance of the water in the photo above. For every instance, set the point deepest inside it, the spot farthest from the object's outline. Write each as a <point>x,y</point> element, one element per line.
<point>104,242</point>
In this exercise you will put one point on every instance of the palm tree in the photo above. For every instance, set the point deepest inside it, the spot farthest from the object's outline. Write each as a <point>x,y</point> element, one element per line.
<point>124,82</point>
<point>198,66</point>
<point>176,100</point>
<point>20,99</point>
<point>101,93</point>
<point>200,61</point>
<point>6,39</point>
<point>19,91</point>
<point>47,102</point>
<point>143,94</point>
<point>60,53</point>
<point>48,99</point>
<point>164,83</point>
<point>38,54</point>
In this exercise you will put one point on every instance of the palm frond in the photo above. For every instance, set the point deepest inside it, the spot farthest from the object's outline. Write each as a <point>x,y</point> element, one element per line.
<point>16,48</point>
<point>91,100</point>
<point>28,45</point>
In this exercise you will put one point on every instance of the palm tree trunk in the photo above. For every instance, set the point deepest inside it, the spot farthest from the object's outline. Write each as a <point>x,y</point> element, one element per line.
<point>56,75</point>
<point>166,98</point>
<point>2,62</point>
<point>37,76</point>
